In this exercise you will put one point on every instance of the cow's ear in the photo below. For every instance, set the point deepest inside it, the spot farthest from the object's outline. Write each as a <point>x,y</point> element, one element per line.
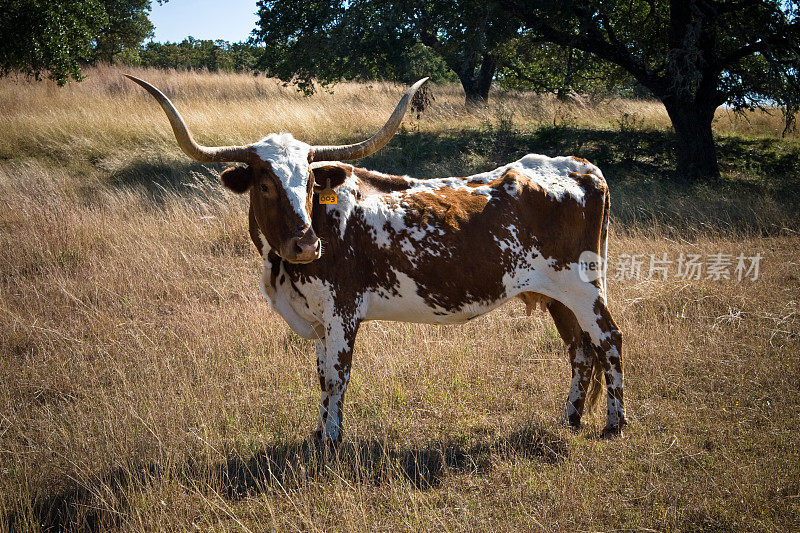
<point>237,179</point>
<point>336,174</point>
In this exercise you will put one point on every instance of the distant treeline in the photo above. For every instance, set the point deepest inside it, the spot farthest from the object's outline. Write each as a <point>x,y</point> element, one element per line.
<point>194,54</point>
<point>220,55</point>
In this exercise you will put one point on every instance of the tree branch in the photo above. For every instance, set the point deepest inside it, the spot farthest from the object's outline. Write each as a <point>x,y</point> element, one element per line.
<point>762,46</point>
<point>589,39</point>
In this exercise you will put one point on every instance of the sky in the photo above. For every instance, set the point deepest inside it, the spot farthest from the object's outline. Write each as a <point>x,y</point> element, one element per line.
<point>231,20</point>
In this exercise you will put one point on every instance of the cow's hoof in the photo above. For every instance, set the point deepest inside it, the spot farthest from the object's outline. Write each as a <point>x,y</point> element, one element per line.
<point>612,432</point>
<point>320,442</point>
<point>574,425</point>
<point>572,421</point>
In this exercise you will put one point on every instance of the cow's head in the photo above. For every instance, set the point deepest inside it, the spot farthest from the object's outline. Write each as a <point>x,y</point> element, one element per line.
<point>278,176</point>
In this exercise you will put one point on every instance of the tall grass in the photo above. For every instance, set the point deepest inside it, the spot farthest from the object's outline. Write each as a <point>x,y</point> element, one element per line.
<point>146,386</point>
<point>107,113</point>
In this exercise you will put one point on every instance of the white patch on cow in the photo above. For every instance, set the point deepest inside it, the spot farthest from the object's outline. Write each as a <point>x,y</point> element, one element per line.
<point>284,301</point>
<point>512,242</point>
<point>511,189</point>
<point>337,327</point>
<point>552,173</point>
<point>266,290</point>
<point>281,303</point>
<point>385,219</point>
<point>616,377</point>
<point>533,273</point>
<point>289,160</point>
<point>265,247</point>
<point>404,303</point>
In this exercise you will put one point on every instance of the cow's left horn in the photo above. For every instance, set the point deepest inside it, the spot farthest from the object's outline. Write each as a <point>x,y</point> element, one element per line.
<point>349,152</point>
<point>205,154</point>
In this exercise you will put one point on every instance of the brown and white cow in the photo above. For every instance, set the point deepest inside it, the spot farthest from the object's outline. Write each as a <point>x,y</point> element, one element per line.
<point>440,251</point>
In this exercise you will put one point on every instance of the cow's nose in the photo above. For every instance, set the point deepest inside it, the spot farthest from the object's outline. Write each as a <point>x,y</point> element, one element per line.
<point>305,248</point>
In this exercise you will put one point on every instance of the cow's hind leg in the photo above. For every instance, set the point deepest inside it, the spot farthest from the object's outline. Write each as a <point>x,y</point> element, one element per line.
<point>583,362</point>
<point>334,358</point>
<point>595,319</point>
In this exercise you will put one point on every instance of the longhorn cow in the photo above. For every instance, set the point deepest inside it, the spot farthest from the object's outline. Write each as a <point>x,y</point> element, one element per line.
<point>440,251</point>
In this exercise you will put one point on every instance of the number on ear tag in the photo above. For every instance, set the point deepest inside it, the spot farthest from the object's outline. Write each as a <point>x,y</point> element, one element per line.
<point>327,195</point>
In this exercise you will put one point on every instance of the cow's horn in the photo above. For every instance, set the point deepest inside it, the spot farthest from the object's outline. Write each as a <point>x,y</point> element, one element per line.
<point>205,154</point>
<point>373,144</point>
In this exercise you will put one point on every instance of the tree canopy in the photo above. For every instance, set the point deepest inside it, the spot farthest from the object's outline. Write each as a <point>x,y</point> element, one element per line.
<point>694,55</point>
<point>39,36</point>
<point>328,40</point>
<point>128,25</point>
<point>552,68</point>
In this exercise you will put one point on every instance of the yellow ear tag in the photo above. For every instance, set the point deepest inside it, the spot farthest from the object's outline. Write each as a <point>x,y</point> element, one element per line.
<point>327,195</point>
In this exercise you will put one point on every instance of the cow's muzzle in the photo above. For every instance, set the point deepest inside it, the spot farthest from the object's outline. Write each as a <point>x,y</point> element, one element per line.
<point>303,249</point>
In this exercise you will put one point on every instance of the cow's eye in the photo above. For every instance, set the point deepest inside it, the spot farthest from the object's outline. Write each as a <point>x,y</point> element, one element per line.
<point>264,188</point>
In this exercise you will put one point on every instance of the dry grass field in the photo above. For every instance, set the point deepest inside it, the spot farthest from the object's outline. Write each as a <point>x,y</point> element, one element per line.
<point>146,386</point>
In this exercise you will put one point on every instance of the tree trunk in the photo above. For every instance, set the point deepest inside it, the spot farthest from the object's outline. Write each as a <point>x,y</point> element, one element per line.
<point>564,89</point>
<point>695,150</point>
<point>476,88</point>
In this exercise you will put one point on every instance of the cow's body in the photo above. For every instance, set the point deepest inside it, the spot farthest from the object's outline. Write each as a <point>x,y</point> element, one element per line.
<point>439,251</point>
<point>444,251</point>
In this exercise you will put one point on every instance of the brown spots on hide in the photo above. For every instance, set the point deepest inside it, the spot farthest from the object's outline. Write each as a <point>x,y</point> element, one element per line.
<point>454,248</point>
<point>585,386</point>
<point>580,160</point>
<point>444,207</point>
<point>333,175</point>
<point>376,183</point>
<point>562,228</point>
<point>589,181</point>
<point>466,263</point>
<point>606,324</point>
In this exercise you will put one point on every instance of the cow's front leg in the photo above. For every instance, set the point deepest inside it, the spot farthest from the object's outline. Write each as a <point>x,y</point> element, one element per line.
<point>334,358</point>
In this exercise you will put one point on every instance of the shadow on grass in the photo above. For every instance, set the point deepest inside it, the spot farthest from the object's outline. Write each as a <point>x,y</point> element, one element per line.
<point>92,507</point>
<point>99,506</point>
<point>377,462</point>
<point>160,179</point>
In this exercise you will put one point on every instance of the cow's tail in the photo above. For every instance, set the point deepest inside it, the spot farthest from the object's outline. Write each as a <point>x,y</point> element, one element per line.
<point>604,244</point>
<point>596,385</point>
<point>596,382</point>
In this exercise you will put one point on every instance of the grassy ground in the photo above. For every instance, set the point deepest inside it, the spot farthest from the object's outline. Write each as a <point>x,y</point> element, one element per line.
<point>146,385</point>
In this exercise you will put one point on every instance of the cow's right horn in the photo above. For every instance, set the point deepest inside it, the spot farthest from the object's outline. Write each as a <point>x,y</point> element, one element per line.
<point>349,152</point>
<point>205,154</point>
